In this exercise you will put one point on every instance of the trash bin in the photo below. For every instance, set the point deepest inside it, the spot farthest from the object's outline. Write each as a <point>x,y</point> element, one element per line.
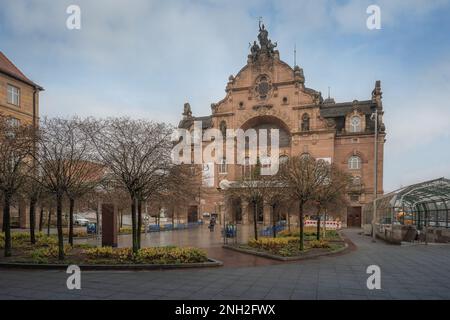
<point>91,228</point>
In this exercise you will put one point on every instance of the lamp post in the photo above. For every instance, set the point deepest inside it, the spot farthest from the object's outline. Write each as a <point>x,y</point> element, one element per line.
<point>224,185</point>
<point>374,116</point>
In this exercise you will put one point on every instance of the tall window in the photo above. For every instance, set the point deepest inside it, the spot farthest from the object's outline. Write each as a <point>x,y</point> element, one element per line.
<point>355,124</point>
<point>354,163</point>
<point>223,166</point>
<point>223,128</point>
<point>13,95</point>
<point>305,122</point>
<point>246,169</point>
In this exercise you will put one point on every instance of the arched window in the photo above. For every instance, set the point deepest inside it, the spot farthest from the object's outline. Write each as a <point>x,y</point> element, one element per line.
<point>305,156</point>
<point>305,122</point>
<point>355,124</point>
<point>223,128</point>
<point>354,163</point>
<point>246,169</point>
<point>356,180</point>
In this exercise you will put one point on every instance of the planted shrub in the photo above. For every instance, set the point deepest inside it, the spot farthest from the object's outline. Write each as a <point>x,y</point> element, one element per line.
<point>319,244</point>
<point>156,255</point>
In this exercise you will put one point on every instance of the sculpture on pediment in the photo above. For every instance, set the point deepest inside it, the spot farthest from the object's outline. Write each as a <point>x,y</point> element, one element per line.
<point>187,112</point>
<point>263,35</point>
<point>265,48</point>
<point>254,50</point>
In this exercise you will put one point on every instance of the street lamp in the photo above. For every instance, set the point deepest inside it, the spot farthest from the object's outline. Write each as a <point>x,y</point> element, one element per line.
<point>374,117</point>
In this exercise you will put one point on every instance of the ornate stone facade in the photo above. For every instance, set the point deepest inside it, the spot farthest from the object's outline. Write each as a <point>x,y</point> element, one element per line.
<point>267,92</point>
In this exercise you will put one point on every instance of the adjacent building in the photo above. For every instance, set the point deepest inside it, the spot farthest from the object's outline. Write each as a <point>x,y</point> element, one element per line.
<point>19,100</point>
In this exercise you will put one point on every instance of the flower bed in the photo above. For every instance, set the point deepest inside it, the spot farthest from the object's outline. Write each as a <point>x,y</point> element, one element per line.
<point>289,246</point>
<point>310,234</point>
<point>154,255</point>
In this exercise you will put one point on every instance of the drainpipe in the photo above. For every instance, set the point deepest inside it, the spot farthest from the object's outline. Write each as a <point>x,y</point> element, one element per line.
<point>375,116</point>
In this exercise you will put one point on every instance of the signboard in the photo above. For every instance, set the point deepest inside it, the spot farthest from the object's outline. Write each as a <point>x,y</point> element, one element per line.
<point>208,174</point>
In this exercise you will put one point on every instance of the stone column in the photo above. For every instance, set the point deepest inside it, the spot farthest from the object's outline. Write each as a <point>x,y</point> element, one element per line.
<point>109,225</point>
<point>244,206</point>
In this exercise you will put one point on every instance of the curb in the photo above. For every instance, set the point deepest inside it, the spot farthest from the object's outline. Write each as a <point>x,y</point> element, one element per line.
<point>210,264</point>
<point>286,259</point>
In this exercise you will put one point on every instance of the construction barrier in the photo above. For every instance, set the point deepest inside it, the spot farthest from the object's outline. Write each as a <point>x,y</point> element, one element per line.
<point>330,224</point>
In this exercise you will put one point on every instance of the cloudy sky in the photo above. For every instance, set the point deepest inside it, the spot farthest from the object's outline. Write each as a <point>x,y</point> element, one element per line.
<point>146,58</point>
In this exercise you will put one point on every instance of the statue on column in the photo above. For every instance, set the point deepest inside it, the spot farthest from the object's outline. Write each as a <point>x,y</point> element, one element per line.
<point>187,113</point>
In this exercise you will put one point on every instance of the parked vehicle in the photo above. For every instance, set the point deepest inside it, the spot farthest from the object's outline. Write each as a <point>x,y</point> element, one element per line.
<point>80,221</point>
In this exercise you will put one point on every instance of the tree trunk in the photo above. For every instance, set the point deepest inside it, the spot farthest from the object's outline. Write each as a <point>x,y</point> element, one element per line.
<point>300,219</point>
<point>133,224</point>
<point>274,222</point>
<point>97,219</point>
<point>59,226</point>
<point>173,217</point>
<point>41,218</point>
<point>318,225</point>
<point>33,202</point>
<point>255,219</point>
<point>7,224</point>
<point>139,228</point>
<point>288,218</point>
<point>71,207</point>
<point>121,218</point>
<point>50,211</point>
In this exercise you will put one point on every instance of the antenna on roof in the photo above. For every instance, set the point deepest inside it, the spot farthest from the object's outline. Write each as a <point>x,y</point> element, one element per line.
<point>295,55</point>
<point>329,93</point>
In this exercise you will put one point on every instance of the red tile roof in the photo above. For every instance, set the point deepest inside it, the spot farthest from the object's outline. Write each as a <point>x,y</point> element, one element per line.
<point>8,68</point>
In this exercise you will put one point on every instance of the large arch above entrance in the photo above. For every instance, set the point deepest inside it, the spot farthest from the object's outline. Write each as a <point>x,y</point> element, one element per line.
<point>270,122</point>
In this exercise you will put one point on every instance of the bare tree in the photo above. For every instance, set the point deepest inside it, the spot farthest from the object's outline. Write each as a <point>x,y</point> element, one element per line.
<point>32,190</point>
<point>16,146</point>
<point>87,176</point>
<point>330,194</point>
<point>135,153</point>
<point>63,155</point>
<point>302,177</point>
<point>252,188</point>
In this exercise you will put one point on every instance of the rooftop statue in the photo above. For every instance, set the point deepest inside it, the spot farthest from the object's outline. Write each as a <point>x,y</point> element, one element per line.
<point>187,110</point>
<point>265,44</point>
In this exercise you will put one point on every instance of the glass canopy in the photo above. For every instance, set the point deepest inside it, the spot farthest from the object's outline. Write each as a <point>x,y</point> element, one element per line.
<point>423,204</point>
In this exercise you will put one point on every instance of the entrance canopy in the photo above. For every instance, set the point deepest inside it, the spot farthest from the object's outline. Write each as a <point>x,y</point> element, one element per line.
<point>423,204</point>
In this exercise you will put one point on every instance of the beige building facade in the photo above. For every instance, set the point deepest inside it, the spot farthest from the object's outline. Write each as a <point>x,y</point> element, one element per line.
<point>269,93</point>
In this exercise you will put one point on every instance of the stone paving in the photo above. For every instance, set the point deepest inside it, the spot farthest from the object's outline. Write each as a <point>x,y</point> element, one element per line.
<point>407,272</point>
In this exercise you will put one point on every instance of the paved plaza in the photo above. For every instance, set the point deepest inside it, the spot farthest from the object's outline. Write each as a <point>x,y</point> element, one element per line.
<point>407,272</point>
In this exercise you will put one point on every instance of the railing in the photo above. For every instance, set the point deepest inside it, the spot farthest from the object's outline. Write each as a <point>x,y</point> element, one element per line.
<point>268,231</point>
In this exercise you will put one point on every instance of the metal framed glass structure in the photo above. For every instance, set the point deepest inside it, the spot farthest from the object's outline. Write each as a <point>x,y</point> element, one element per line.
<point>426,204</point>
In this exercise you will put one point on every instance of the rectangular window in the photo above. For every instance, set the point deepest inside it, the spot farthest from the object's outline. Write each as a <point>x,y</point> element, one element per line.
<point>223,167</point>
<point>14,122</point>
<point>13,95</point>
